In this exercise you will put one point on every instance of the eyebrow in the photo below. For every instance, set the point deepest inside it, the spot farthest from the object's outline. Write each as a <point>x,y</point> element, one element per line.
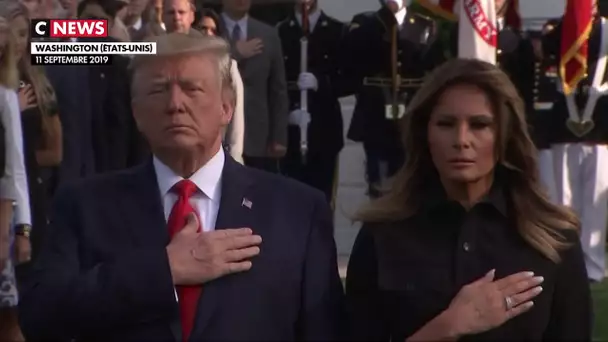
<point>474,116</point>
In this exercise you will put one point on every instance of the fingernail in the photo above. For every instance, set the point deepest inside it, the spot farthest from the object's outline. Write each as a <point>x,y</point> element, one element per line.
<point>538,289</point>
<point>539,279</point>
<point>528,304</point>
<point>529,274</point>
<point>491,273</point>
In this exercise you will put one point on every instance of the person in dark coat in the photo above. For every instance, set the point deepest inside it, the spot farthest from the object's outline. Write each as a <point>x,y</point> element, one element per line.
<point>117,143</point>
<point>322,80</point>
<point>383,76</point>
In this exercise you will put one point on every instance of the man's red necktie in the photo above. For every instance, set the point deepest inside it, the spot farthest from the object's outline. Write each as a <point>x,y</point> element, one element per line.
<point>188,295</point>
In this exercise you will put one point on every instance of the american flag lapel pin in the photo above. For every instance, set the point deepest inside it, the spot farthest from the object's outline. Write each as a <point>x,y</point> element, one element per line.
<point>246,203</point>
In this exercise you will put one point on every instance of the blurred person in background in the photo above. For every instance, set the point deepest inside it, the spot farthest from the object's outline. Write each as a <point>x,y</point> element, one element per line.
<point>323,81</point>
<point>135,21</point>
<point>14,197</point>
<point>117,143</point>
<point>42,131</point>
<point>35,8</point>
<point>178,16</point>
<point>154,15</point>
<point>256,47</point>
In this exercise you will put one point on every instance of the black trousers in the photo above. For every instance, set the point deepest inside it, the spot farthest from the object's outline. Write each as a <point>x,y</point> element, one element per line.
<point>317,170</point>
<point>379,165</point>
<point>263,163</point>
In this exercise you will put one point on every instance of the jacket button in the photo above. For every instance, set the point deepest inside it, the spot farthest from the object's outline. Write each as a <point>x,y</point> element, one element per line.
<point>466,247</point>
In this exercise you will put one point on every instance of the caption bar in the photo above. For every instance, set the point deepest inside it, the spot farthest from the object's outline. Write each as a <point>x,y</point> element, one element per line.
<point>71,59</point>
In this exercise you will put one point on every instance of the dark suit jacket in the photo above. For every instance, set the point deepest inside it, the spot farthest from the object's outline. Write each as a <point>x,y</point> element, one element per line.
<point>104,275</point>
<point>266,102</point>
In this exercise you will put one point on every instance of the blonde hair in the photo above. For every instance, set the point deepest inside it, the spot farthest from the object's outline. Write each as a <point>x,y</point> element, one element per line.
<point>177,44</point>
<point>45,94</point>
<point>538,221</point>
<point>9,75</point>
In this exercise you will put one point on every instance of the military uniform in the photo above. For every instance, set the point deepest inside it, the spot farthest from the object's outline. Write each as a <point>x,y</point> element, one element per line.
<point>370,62</point>
<point>580,149</point>
<point>509,53</point>
<point>539,93</point>
<point>325,130</point>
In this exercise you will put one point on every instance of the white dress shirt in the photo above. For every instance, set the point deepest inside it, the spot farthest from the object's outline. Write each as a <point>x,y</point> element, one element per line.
<point>13,185</point>
<point>230,24</point>
<point>207,179</point>
<point>206,200</point>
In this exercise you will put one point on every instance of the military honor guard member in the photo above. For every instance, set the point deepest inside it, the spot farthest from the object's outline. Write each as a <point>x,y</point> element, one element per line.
<point>383,59</point>
<point>539,95</point>
<point>579,134</point>
<point>311,42</point>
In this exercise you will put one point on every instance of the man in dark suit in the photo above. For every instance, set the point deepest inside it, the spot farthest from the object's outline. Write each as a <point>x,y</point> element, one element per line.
<point>322,81</point>
<point>116,142</point>
<point>257,49</point>
<point>124,245</point>
<point>383,52</point>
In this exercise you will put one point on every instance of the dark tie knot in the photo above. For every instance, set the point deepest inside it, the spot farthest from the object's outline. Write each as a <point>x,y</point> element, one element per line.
<point>184,188</point>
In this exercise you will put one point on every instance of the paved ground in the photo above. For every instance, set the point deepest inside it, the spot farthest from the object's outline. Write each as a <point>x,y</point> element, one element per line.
<point>351,190</point>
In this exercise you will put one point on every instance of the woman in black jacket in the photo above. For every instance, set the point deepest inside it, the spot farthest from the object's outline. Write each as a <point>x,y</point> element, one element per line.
<point>466,243</point>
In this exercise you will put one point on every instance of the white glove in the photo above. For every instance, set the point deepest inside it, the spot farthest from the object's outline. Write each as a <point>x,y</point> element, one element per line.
<point>299,118</point>
<point>307,81</point>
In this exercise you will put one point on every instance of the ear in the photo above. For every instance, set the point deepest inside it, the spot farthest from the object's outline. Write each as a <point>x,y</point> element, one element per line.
<point>228,100</point>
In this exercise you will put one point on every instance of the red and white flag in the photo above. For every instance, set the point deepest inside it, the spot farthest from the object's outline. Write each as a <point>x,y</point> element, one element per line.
<point>477,30</point>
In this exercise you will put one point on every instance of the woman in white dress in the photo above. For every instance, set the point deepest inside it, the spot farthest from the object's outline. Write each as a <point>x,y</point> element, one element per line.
<point>13,184</point>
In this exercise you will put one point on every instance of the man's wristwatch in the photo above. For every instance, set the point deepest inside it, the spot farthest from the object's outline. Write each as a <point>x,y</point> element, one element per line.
<point>23,230</point>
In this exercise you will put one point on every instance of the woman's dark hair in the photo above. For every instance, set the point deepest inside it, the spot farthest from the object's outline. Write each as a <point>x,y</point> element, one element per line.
<point>536,218</point>
<point>205,12</point>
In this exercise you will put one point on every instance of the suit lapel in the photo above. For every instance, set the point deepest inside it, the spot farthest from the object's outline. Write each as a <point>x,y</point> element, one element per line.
<point>146,220</point>
<point>236,208</point>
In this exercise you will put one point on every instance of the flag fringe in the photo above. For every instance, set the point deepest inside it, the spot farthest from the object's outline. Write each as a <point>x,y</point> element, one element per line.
<point>438,10</point>
<point>573,54</point>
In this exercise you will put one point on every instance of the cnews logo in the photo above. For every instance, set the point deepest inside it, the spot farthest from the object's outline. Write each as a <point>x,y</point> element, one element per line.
<point>72,28</point>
